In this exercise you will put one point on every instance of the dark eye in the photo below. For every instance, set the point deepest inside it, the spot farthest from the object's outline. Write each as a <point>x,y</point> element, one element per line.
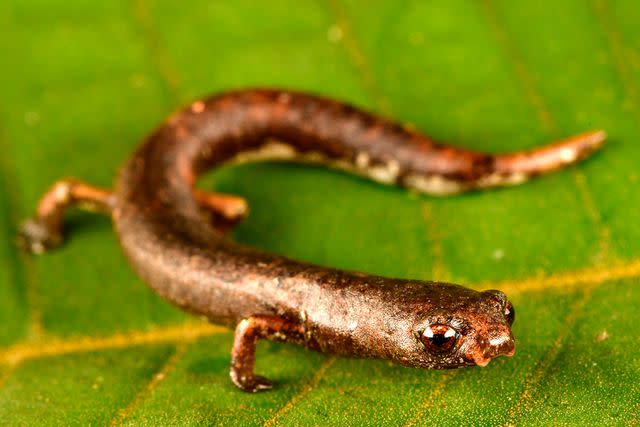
<point>509,313</point>
<point>439,338</point>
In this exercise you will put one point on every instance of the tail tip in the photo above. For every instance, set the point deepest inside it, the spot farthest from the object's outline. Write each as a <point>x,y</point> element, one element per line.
<point>596,138</point>
<point>581,146</point>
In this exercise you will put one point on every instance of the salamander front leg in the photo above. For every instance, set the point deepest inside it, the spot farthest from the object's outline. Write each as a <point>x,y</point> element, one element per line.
<point>243,353</point>
<point>44,231</point>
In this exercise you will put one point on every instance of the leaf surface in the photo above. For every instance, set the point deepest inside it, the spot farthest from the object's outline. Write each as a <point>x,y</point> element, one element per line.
<point>83,341</point>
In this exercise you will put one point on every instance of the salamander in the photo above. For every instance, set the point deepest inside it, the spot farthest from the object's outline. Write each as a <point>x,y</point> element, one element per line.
<point>175,235</point>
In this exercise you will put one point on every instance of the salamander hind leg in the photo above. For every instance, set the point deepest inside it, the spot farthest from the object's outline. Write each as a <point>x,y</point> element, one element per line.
<point>44,230</point>
<point>225,210</point>
<point>243,353</point>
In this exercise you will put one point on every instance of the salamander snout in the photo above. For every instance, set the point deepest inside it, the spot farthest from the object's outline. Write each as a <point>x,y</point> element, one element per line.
<point>500,343</point>
<point>495,337</point>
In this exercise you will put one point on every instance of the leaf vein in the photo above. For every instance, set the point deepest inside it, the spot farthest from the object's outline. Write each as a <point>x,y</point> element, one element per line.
<point>4,375</point>
<point>617,52</point>
<point>297,398</point>
<point>142,18</point>
<point>187,331</point>
<point>590,276</point>
<point>535,99</point>
<point>155,381</point>
<point>438,269</point>
<point>531,384</point>
<point>369,82</point>
<point>429,401</point>
<point>358,57</point>
<point>22,264</point>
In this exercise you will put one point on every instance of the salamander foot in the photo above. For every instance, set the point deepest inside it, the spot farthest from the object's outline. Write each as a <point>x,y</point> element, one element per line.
<point>243,352</point>
<point>37,237</point>
<point>44,230</point>
<point>252,384</point>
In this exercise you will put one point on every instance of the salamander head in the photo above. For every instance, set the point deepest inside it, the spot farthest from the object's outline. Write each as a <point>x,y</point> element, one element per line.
<point>472,330</point>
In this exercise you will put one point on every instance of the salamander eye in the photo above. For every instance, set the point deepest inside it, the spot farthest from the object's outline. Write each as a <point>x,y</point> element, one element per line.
<point>509,313</point>
<point>439,338</point>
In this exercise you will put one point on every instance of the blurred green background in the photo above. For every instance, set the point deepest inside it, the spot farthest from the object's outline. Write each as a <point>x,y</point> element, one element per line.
<point>82,340</point>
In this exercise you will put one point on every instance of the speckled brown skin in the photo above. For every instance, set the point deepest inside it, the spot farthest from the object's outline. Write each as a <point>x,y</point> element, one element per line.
<point>170,238</point>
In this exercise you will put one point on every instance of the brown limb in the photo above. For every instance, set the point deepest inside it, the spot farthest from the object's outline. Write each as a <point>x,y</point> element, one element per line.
<point>226,210</point>
<point>243,353</point>
<point>44,231</point>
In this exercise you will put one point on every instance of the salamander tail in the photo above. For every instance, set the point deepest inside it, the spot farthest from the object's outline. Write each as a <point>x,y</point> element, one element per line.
<point>526,164</point>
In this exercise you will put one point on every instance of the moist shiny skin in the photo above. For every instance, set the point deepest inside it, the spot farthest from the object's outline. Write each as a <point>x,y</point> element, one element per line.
<point>171,242</point>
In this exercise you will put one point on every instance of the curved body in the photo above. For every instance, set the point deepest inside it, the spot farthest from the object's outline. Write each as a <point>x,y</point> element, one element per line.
<point>169,239</point>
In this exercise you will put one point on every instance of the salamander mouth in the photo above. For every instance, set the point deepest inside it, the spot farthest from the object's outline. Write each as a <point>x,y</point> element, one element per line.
<point>482,359</point>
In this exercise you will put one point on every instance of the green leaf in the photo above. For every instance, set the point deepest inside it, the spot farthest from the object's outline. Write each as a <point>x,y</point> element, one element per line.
<point>83,341</point>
